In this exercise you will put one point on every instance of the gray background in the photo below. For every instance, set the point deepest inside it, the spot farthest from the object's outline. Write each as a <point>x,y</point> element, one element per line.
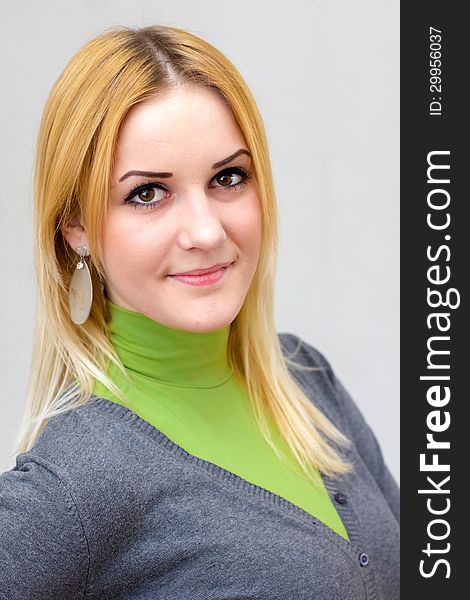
<point>325,75</point>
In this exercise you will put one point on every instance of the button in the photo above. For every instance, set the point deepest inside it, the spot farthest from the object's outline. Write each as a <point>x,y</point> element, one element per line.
<point>341,498</point>
<point>363,559</point>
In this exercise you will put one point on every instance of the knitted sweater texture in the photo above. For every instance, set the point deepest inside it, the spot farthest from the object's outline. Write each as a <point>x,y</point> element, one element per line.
<point>105,506</point>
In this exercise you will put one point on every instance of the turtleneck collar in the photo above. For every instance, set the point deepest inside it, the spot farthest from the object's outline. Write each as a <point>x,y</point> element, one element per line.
<point>168,355</point>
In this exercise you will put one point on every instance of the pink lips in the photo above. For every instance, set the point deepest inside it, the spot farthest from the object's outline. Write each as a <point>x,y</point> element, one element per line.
<point>201,277</point>
<point>203,271</point>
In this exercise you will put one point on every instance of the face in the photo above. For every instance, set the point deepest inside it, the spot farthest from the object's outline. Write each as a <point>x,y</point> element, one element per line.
<point>182,199</point>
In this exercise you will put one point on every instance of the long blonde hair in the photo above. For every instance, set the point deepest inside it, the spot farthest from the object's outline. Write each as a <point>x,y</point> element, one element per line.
<point>75,153</point>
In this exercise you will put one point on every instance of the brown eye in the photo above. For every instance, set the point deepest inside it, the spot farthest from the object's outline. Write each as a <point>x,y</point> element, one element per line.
<point>231,178</point>
<point>225,179</point>
<point>146,195</point>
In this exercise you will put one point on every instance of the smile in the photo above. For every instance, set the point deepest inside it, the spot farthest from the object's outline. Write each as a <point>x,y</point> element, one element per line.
<point>205,279</point>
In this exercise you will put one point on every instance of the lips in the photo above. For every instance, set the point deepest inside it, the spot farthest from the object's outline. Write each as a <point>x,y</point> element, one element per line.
<point>205,271</point>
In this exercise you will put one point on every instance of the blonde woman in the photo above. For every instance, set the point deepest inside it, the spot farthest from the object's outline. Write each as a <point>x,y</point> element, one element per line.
<point>174,445</point>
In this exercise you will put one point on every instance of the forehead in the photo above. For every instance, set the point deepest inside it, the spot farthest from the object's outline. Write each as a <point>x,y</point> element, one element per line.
<point>186,121</point>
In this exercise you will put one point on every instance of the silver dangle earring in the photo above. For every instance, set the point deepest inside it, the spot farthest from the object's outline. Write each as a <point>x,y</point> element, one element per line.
<point>80,289</point>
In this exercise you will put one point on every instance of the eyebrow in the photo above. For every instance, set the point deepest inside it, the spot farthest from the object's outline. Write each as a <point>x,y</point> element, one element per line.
<point>166,174</point>
<point>231,157</point>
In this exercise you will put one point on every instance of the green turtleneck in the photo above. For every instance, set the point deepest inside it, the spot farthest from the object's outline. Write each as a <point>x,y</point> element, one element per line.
<point>182,384</point>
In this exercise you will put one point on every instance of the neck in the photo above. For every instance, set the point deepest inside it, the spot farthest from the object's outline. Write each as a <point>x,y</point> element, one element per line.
<point>175,356</point>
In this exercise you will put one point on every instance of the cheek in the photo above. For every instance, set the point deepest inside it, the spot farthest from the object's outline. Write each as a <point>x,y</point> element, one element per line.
<point>132,247</point>
<point>248,226</point>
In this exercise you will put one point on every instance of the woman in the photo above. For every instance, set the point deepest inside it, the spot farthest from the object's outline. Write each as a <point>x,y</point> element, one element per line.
<point>173,444</point>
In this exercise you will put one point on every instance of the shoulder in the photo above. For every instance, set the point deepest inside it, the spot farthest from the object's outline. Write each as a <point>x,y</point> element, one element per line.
<point>72,441</point>
<point>94,455</point>
<point>67,497</point>
<point>85,446</point>
<point>313,372</point>
<point>42,535</point>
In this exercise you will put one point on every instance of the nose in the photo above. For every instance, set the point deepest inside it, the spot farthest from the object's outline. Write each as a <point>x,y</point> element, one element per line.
<point>200,222</point>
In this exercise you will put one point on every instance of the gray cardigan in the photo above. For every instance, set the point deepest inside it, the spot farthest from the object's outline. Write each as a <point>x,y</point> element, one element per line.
<point>106,506</point>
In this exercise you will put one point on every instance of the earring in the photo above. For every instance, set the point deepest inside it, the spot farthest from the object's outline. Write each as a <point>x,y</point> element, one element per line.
<point>80,289</point>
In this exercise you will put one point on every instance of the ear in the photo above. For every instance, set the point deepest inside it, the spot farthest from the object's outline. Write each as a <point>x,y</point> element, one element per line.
<point>75,233</point>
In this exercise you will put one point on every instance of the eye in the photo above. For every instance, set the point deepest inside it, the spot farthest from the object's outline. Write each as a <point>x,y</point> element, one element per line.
<point>146,195</point>
<point>150,195</point>
<point>231,178</point>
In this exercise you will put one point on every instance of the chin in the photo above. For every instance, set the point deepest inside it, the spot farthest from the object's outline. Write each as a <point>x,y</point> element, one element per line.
<point>206,323</point>
<point>205,326</point>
